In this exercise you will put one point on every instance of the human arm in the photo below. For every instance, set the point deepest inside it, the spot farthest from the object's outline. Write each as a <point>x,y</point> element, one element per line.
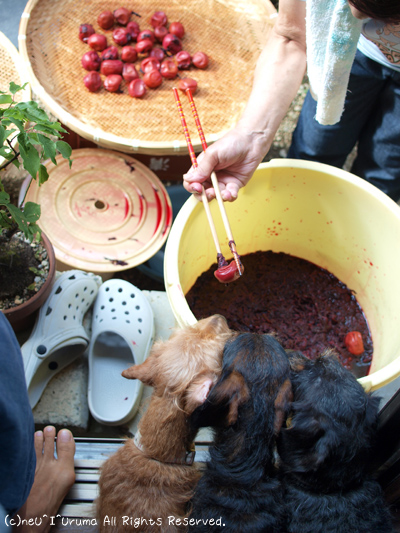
<point>277,77</point>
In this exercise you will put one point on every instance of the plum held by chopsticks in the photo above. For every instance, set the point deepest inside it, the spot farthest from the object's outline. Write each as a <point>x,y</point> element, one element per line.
<point>229,272</point>
<point>187,83</point>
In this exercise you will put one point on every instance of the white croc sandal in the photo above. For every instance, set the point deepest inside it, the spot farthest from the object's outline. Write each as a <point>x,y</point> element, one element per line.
<point>58,336</point>
<point>122,335</point>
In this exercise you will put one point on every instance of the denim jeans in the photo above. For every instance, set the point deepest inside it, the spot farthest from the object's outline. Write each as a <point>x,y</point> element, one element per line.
<point>371,117</point>
<point>17,451</point>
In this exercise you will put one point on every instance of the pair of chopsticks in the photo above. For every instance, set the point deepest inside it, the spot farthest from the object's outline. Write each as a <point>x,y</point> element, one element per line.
<point>232,246</point>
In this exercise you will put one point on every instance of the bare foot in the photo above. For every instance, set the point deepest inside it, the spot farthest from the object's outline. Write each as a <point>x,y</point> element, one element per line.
<point>53,479</point>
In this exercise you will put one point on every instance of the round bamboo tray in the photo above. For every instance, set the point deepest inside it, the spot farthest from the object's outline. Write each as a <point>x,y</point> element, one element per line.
<point>231,32</point>
<point>105,214</point>
<point>12,69</point>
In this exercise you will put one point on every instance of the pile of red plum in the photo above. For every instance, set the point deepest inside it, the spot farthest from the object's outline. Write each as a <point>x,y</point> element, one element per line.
<point>140,58</point>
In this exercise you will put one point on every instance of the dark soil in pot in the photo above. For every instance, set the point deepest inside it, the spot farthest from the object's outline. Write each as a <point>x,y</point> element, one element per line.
<point>27,272</point>
<point>23,270</point>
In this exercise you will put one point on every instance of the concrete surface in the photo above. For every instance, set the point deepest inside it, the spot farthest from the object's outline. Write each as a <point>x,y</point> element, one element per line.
<point>10,15</point>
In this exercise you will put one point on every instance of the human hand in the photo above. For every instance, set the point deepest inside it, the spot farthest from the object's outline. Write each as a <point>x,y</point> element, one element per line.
<point>233,158</point>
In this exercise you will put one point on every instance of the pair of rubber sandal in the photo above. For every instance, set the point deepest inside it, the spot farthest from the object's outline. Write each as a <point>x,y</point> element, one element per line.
<point>122,333</point>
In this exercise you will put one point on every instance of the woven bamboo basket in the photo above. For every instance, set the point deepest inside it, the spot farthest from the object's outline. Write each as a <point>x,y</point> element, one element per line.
<point>231,32</point>
<point>12,70</point>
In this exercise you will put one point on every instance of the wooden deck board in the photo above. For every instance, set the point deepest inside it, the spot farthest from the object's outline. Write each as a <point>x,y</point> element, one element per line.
<point>77,513</point>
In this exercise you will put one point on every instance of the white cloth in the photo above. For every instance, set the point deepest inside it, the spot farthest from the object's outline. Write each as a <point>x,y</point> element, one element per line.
<point>332,34</point>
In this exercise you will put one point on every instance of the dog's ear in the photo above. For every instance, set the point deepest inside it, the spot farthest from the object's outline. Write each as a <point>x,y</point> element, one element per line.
<point>282,404</point>
<point>233,391</point>
<point>198,391</point>
<point>217,323</point>
<point>143,372</point>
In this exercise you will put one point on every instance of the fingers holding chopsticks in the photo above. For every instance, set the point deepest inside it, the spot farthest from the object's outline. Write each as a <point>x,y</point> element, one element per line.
<point>233,161</point>
<point>199,177</point>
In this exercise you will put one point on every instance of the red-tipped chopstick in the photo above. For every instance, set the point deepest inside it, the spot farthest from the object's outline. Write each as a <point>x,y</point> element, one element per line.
<point>220,258</point>
<point>214,181</point>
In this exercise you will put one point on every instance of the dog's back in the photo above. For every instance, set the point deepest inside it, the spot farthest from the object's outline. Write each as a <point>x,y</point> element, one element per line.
<point>326,451</point>
<point>239,489</point>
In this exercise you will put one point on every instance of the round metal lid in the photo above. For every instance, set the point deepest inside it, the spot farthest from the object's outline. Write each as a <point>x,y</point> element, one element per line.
<point>108,212</point>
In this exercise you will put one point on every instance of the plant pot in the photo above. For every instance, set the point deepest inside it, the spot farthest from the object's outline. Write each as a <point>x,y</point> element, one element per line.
<point>23,316</point>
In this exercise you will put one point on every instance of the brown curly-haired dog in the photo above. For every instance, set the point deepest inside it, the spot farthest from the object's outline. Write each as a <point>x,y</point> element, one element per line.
<point>146,485</point>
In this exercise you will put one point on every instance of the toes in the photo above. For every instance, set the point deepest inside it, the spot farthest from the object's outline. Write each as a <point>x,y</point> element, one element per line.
<point>39,440</point>
<point>49,433</point>
<point>65,446</point>
<point>65,454</point>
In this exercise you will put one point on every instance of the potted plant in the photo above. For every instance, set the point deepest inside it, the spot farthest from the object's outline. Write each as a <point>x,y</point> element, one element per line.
<point>27,137</point>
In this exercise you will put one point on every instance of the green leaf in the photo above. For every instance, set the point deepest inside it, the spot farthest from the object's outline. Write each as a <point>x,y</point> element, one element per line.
<point>47,129</point>
<point>23,140</point>
<point>5,151</point>
<point>43,175</point>
<point>26,218</point>
<point>4,198</point>
<point>30,156</point>
<point>32,112</point>
<point>14,88</point>
<point>5,122</point>
<point>49,147</point>
<point>6,99</point>
<point>3,134</point>
<point>31,211</point>
<point>15,120</point>
<point>33,232</point>
<point>65,150</point>
<point>18,216</point>
<point>5,221</point>
<point>32,136</point>
<point>57,126</point>
<point>9,133</point>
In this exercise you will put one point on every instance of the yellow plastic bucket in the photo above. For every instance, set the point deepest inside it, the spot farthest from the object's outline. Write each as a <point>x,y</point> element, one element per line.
<point>316,212</point>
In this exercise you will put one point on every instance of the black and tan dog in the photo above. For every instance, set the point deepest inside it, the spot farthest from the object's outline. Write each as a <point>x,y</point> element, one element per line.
<point>239,490</point>
<point>326,451</point>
